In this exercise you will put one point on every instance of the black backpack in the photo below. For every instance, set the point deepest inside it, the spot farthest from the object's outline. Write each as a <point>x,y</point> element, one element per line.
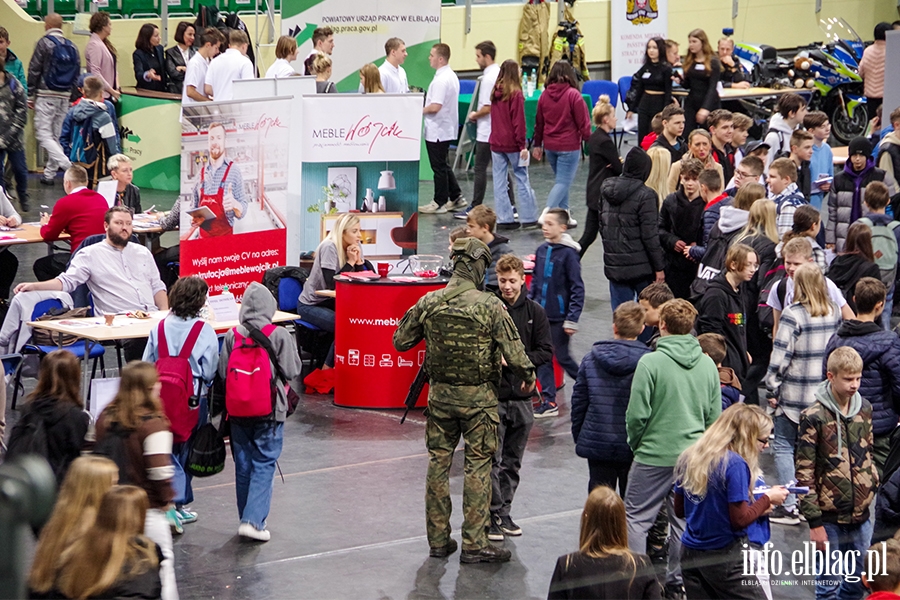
<point>780,152</point>
<point>113,446</point>
<point>29,436</point>
<point>713,261</point>
<point>773,282</point>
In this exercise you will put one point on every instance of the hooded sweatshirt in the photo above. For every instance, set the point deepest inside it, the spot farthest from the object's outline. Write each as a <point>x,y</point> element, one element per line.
<point>65,425</point>
<point>778,137</point>
<point>721,310</point>
<point>257,309</point>
<point>629,218</point>
<point>90,114</point>
<point>834,459</point>
<point>556,284</point>
<point>534,330</point>
<point>880,352</point>
<point>847,269</point>
<point>499,247</point>
<point>508,131</point>
<point>562,121</point>
<point>675,397</point>
<point>729,222</point>
<point>600,398</point>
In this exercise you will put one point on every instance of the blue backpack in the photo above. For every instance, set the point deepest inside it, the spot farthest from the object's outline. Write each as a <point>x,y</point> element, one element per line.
<point>65,65</point>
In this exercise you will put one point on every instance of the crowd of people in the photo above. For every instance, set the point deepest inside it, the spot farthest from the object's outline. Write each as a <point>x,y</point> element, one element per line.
<point>751,288</point>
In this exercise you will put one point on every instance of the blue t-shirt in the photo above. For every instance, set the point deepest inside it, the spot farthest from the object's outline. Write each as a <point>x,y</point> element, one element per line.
<point>708,523</point>
<point>758,531</point>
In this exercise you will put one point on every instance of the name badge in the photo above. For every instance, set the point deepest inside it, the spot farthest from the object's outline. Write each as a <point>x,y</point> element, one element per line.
<point>645,76</point>
<point>700,67</point>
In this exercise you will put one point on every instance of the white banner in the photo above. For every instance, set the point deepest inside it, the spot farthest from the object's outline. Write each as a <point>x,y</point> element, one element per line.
<point>362,128</point>
<point>632,23</point>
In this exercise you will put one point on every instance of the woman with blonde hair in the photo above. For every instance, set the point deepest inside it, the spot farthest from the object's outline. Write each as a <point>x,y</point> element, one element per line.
<point>285,54</point>
<point>795,367</point>
<point>714,482</point>
<point>340,252</point>
<point>604,163</point>
<point>135,420</point>
<point>661,160</point>
<point>89,477</point>
<point>115,560</point>
<point>699,144</point>
<point>702,71</point>
<point>370,79</point>
<point>322,68</point>
<point>603,567</point>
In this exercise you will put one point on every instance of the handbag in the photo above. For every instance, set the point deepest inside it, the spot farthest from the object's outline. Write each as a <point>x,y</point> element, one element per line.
<point>43,337</point>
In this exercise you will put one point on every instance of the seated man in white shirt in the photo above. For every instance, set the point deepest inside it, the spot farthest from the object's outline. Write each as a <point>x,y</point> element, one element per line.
<point>228,67</point>
<point>195,76</point>
<point>393,77</point>
<point>121,276</point>
<point>441,128</point>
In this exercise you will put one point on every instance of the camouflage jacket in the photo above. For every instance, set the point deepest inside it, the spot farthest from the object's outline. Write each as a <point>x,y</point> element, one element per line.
<point>501,339</point>
<point>834,458</point>
<point>13,113</point>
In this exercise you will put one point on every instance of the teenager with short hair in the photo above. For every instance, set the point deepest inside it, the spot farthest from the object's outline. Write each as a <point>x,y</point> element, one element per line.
<point>888,158</point>
<point>821,165</point>
<point>721,128</point>
<point>742,125</point>
<point>791,111</point>
<point>801,154</point>
<point>714,346</point>
<point>194,89</point>
<point>885,585</point>
<point>480,223</point>
<point>883,228</point>
<point>681,226</point>
<point>783,190</point>
<point>670,138</point>
<point>651,299</point>
<point>749,170</point>
<point>231,66</point>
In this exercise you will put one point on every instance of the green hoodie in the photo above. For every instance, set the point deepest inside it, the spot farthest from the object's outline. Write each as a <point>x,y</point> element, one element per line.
<point>826,397</point>
<point>675,397</point>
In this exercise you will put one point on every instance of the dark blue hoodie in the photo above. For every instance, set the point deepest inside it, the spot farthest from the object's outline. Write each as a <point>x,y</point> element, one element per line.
<point>600,398</point>
<point>556,284</point>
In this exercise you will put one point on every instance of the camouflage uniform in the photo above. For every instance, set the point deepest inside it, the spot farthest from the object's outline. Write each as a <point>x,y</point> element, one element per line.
<point>13,114</point>
<point>464,346</point>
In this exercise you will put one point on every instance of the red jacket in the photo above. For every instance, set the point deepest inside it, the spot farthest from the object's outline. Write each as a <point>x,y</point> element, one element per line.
<point>80,214</point>
<point>508,123</point>
<point>562,119</point>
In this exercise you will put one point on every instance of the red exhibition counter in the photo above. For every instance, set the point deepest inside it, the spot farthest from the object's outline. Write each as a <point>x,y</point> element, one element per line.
<point>369,372</point>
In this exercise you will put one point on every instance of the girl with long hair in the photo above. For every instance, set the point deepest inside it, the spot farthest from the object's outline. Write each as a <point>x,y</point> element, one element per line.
<point>714,483</point>
<point>702,71</point>
<point>115,559</point>
<point>135,418</point>
<point>604,163</point>
<point>652,85</point>
<point>699,144</point>
<point>149,59</point>
<point>795,367</point>
<point>661,164</point>
<point>561,125</point>
<point>509,147</point>
<point>56,402</point>
<point>370,79</point>
<point>855,261</point>
<point>603,567</point>
<point>76,507</point>
<point>807,223</point>
<point>100,55</point>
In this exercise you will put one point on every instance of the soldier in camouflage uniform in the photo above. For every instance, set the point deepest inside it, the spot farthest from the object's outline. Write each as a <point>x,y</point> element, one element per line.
<point>465,331</point>
<point>834,458</point>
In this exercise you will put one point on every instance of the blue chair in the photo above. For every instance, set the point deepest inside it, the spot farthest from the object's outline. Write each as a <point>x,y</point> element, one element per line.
<point>307,334</point>
<point>624,86</point>
<point>79,348</point>
<point>467,86</point>
<point>597,87</point>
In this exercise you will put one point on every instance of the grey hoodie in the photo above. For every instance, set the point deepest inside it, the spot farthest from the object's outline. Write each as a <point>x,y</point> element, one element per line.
<point>257,308</point>
<point>731,219</point>
<point>826,398</point>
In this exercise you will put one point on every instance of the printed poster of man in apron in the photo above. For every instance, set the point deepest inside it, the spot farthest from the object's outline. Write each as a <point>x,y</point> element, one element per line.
<point>220,189</point>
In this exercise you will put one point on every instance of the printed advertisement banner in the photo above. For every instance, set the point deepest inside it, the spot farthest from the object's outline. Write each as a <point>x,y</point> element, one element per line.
<point>233,201</point>
<point>632,23</point>
<point>360,31</point>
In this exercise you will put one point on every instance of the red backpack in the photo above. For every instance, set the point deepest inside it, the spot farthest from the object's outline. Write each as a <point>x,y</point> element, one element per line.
<point>250,388</point>
<point>177,382</point>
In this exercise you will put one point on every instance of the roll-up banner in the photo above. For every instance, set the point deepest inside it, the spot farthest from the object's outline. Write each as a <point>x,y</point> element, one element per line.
<point>632,23</point>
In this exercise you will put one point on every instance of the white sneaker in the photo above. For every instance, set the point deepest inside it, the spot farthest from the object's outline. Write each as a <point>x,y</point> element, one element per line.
<point>460,203</point>
<point>543,214</point>
<point>432,208</point>
<point>249,531</point>
<point>572,222</point>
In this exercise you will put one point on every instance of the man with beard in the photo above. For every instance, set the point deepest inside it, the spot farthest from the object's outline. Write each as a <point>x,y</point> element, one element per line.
<point>220,189</point>
<point>121,275</point>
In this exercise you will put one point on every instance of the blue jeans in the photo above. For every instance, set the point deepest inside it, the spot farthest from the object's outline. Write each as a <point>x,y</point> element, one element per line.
<point>20,171</point>
<point>528,212</point>
<point>784,444</point>
<point>564,165</point>
<point>621,292</point>
<point>323,318</point>
<point>181,480</point>
<point>255,448</point>
<point>845,538</point>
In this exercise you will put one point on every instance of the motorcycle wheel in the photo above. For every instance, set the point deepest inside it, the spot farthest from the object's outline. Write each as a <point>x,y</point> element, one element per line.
<point>845,128</point>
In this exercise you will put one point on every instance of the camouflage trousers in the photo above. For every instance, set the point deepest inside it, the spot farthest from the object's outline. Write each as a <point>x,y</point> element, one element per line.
<point>478,428</point>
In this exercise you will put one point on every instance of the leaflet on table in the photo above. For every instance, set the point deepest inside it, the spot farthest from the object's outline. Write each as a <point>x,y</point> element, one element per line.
<point>107,189</point>
<point>224,307</point>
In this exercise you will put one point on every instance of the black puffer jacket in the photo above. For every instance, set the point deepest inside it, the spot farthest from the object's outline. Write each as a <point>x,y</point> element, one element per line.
<point>534,329</point>
<point>680,219</point>
<point>880,352</point>
<point>628,222</point>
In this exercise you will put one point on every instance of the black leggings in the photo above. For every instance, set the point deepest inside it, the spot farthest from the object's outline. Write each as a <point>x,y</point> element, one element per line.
<point>591,229</point>
<point>9,264</point>
<point>649,106</point>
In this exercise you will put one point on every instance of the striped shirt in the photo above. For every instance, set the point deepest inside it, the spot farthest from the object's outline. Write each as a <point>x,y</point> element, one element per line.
<point>795,367</point>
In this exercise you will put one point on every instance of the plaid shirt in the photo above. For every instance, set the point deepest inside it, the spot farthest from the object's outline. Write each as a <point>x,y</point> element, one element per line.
<point>787,203</point>
<point>795,368</point>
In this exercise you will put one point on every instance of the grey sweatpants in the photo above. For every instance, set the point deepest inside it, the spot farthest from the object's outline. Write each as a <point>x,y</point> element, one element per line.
<point>648,487</point>
<point>516,420</point>
<point>49,114</point>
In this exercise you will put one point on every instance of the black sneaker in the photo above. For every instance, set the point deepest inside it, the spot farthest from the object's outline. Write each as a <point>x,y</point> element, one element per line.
<point>508,226</point>
<point>491,554</point>
<point>531,225</point>
<point>494,533</point>
<point>443,551</point>
<point>508,526</point>
<point>785,516</point>
<point>48,181</point>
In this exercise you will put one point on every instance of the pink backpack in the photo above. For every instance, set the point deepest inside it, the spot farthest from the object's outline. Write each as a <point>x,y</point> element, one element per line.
<point>250,388</point>
<point>177,382</point>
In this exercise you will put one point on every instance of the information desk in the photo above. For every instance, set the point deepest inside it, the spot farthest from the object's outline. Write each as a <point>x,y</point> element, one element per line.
<point>370,373</point>
<point>151,137</point>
